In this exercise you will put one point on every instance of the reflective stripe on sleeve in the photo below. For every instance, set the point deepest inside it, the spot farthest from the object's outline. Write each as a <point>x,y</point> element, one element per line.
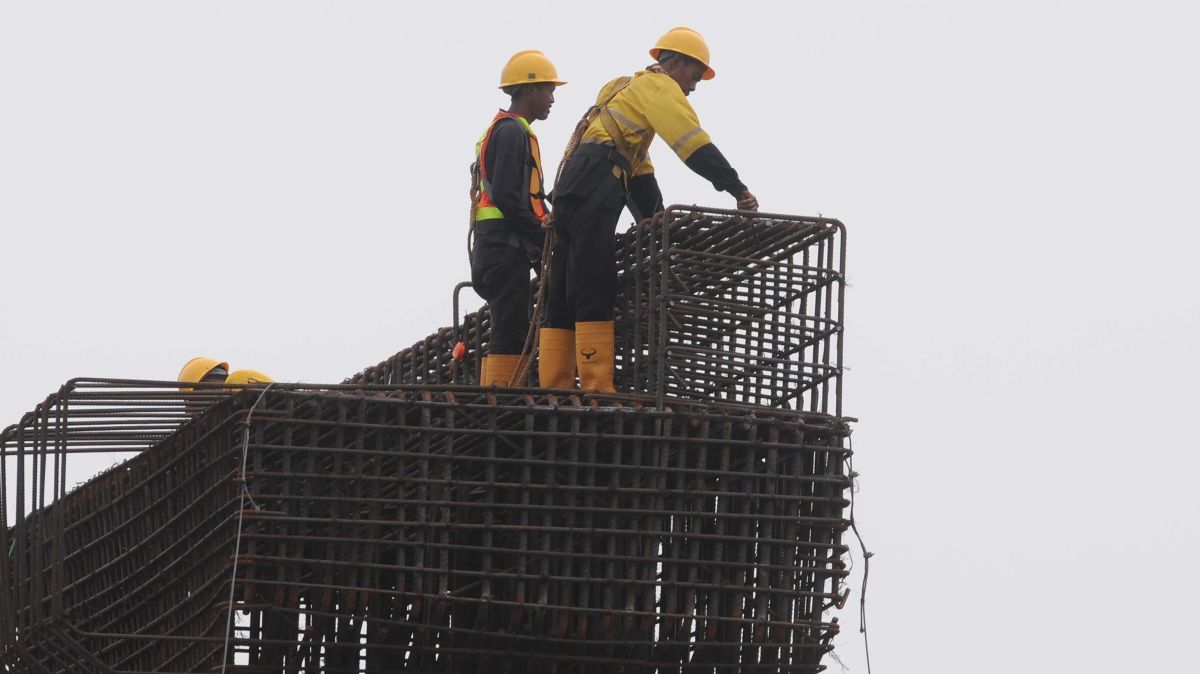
<point>685,138</point>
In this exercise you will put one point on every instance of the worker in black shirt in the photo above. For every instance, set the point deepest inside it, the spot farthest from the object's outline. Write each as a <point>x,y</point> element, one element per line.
<point>609,168</point>
<point>510,209</point>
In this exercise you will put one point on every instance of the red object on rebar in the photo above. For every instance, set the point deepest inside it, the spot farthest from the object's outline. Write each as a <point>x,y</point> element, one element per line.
<point>459,352</point>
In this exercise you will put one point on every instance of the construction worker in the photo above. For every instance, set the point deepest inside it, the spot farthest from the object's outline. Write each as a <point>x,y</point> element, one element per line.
<point>197,370</point>
<point>213,371</point>
<point>509,208</point>
<point>202,369</point>
<point>609,168</point>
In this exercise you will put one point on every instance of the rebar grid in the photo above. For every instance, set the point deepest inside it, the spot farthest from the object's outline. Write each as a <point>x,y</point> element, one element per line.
<point>439,529</point>
<point>92,543</point>
<point>711,305</point>
<point>692,524</point>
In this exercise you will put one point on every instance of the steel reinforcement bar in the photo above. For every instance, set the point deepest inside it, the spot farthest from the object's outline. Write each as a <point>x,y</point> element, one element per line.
<point>431,529</point>
<point>711,305</point>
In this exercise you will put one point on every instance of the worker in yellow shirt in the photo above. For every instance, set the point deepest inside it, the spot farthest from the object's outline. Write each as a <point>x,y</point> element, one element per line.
<point>610,168</point>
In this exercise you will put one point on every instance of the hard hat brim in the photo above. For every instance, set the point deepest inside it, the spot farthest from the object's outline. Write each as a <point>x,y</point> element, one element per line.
<point>557,83</point>
<point>709,73</point>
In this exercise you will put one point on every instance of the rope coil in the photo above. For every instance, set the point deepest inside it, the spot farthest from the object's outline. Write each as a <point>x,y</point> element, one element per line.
<point>548,244</point>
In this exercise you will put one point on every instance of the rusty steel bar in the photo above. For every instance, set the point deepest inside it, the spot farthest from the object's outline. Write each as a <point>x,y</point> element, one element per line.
<point>711,304</point>
<point>430,529</point>
<point>404,522</point>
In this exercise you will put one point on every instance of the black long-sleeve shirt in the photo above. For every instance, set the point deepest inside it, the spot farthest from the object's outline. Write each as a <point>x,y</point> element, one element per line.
<point>507,164</point>
<point>708,161</point>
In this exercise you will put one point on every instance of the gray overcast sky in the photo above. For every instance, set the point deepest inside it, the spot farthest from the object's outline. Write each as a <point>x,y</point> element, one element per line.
<point>283,185</point>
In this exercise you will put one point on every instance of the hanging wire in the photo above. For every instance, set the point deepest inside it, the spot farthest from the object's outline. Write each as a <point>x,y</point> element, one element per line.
<point>242,496</point>
<point>862,595</point>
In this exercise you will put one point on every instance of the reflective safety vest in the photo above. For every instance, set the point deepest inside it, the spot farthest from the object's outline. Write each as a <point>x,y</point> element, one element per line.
<point>486,208</point>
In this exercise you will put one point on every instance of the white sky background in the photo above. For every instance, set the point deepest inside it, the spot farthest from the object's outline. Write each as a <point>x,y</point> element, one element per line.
<point>283,185</point>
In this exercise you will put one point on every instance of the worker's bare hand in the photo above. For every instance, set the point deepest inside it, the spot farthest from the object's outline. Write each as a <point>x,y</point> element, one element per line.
<point>747,202</point>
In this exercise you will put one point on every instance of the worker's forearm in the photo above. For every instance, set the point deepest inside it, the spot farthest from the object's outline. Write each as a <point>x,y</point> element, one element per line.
<point>712,165</point>
<point>645,195</point>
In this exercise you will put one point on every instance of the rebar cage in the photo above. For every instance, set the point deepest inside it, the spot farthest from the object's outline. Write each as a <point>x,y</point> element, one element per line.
<point>423,529</point>
<point>712,305</point>
<point>408,520</point>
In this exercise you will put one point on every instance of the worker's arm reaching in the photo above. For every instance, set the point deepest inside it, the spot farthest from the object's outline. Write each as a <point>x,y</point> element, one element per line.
<point>708,161</point>
<point>672,117</point>
<point>507,159</point>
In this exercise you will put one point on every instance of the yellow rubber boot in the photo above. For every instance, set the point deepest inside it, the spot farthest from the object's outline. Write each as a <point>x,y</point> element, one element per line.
<point>594,343</point>
<point>501,368</point>
<point>483,371</point>
<point>556,358</point>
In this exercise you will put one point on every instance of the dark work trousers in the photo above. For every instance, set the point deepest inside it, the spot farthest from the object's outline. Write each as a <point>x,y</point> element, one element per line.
<point>583,274</point>
<point>500,275</point>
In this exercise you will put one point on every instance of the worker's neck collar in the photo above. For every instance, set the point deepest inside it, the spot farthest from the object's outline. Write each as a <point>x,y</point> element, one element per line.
<point>523,114</point>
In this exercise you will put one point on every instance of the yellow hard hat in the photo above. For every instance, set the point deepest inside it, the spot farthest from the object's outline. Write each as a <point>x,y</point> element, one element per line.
<point>197,369</point>
<point>248,377</point>
<point>528,67</point>
<point>684,40</point>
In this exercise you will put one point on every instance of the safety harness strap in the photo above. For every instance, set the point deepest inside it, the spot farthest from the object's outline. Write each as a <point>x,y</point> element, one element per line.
<point>604,151</point>
<point>631,155</point>
<point>483,188</point>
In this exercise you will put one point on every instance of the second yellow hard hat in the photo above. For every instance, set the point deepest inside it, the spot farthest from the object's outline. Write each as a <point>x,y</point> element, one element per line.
<point>688,42</point>
<point>241,377</point>
<point>529,67</point>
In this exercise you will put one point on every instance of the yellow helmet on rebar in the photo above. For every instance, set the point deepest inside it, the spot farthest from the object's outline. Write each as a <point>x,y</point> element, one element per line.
<point>528,67</point>
<point>684,40</point>
<point>201,369</point>
<point>241,377</point>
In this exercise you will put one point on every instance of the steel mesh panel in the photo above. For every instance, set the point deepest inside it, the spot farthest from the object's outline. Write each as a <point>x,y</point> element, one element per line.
<point>448,530</point>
